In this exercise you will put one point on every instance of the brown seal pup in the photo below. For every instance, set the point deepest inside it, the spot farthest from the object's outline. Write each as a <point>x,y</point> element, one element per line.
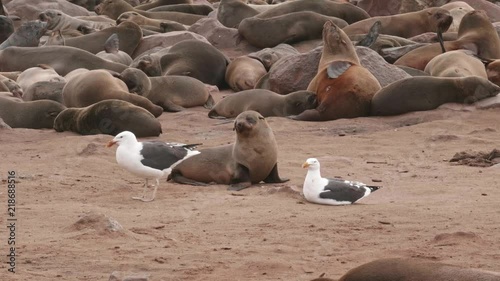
<point>173,93</point>
<point>108,117</point>
<point>62,58</point>
<point>457,11</point>
<point>27,35</point>
<point>427,92</point>
<point>231,12</point>
<point>251,159</point>
<point>158,3</point>
<point>475,33</point>
<point>45,90</point>
<point>6,28</point>
<point>97,85</point>
<point>406,25</point>
<point>265,102</point>
<point>57,20</point>
<point>112,51</point>
<point>32,114</point>
<point>196,9</point>
<point>458,63</point>
<point>410,269</point>
<point>114,8</point>
<point>243,73</point>
<point>165,25</point>
<point>289,28</point>
<point>345,11</point>
<point>37,74</point>
<point>343,87</point>
<point>268,56</point>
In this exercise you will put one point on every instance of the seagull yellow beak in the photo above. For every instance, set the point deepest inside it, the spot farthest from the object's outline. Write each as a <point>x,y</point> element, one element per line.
<point>110,143</point>
<point>305,165</point>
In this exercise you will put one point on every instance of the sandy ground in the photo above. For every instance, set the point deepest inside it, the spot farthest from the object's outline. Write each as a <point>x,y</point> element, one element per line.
<point>428,208</point>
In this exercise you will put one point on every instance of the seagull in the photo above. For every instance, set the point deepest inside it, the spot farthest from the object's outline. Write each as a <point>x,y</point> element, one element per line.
<point>332,191</point>
<point>149,160</point>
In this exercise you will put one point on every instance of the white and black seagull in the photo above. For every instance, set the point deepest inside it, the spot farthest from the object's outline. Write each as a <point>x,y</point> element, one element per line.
<point>332,191</point>
<point>149,160</point>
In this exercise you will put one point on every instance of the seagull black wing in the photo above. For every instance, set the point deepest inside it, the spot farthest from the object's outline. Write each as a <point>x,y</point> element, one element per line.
<point>160,155</point>
<point>340,190</point>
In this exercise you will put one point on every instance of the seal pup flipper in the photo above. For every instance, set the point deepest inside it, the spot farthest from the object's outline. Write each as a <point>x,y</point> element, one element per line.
<point>209,103</point>
<point>214,115</point>
<point>241,180</point>
<point>177,177</point>
<point>274,177</point>
<point>112,45</point>
<point>337,68</point>
<point>172,107</point>
<point>440,39</point>
<point>371,36</point>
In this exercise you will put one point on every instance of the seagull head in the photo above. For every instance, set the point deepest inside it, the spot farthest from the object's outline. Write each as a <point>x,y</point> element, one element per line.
<point>124,137</point>
<point>311,164</point>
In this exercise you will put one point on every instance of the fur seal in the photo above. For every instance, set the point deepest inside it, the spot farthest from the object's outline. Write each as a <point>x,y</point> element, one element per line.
<point>288,28</point>
<point>32,114</point>
<point>457,11</point>
<point>195,9</point>
<point>265,102</point>
<point>108,117</point>
<point>62,58</point>
<point>36,74</point>
<point>57,20</point>
<point>112,51</point>
<point>406,25</point>
<point>268,56</point>
<point>427,92</point>
<point>475,33</point>
<point>158,3</point>
<point>172,93</point>
<point>164,25</point>
<point>231,12</point>
<point>27,35</point>
<point>192,58</point>
<point>6,28</point>
<point>97,85</point>
<point>345,11</point>
<point>114,8</point>
<point>343,87</point>
<point>456,63</point>
<point>243,73</point>
<point>251,159</point>
<point>408,269</point>
<point>12,86</point>
<point>45,90</point>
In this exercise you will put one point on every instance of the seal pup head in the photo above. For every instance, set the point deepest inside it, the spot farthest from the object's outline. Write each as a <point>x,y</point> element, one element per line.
<point>65,120</point>
<point>137,81</point>
<point>440,18</point>
<point>300,101</point>
<point>246,121</point>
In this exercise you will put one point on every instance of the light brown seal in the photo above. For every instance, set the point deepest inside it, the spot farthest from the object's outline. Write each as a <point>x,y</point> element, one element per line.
<point>410,269</point>
<point>33,114</point>
<point>108,117</point>
<point>114,8</point>
<point>97,85</point>
<point>112,51</point>
<point>173,93</point>
<point>27,35</point>
<point>164,25</point>
<point>427,92</point>
<point>231,12</point>
<point>475,33</point>
<point>289,28</point>
<point>265,102</point>
<point>458,63</point>
<point>45,90</point>
<point>406,25</point>
<point>343,87</point>
<point>36,74</point>
<point>58,20</point>
<point>251,159</point>
<point>243,72</point>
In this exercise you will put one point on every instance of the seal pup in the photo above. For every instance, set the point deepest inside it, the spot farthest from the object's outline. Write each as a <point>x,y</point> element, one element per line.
<point>251,159</point>
<point>343,87</point>
<point>108,117</point>
<point>427,92</point>
<point>32,115</point>
<point>58,20</point>
<point>231,12</point>
<point>36,74</point>
<point>243,72</point>
<point>112,51</point>
<point>164,25</point>
<point>268,56</point>
<point>458,63</point>
<point>265,102</point>
<point>45,90</point>
<point>6,28</point>
<point>27,35</point>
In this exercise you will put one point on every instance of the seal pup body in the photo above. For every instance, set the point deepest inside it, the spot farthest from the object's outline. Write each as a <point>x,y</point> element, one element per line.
<point>456,63</point>
<point>33,114</point>
<point>243,73</point>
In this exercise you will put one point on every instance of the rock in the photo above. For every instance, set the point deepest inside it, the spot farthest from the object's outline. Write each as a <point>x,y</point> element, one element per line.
<point>165,40</point>
<point>384,72</point>
<point>99,223</point>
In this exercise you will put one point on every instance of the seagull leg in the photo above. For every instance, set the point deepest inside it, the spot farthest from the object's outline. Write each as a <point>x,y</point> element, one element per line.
<point>154,193</point>
<point>143,192</point>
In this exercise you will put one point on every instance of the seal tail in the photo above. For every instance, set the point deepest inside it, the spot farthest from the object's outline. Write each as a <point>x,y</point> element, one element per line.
<point>210,102</point>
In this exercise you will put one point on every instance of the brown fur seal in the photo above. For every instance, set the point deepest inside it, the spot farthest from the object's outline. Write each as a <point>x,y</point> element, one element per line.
<point>97,85</point>
<point>344,88</point>
<point>172,93</point>
<point>112,51</point>
<point>243,73</point>
<point>456,63</point>
<point>231,12</point>
<point>62,58</point>
<point>12,86</point>
<point>345,11</point>
<point>33,114</point>
<point>289,28</point>
<point>36,74</point>
<point>406,25</point>
<point>475,33</point>
<point>27,35</point>
<point>410,269</point>
<point>114,8</point>
<point>457,11</point>
<point>108,117</point>
<point>251,159</point>
<point>192,58</point>
<point>269,56</point>
<point>164,25</point>
<point>196,9</point>
<point>158,3</point>
<point>265,102</point>
<point>45,90</point>
<point>427,92</point>
<point>6,28</point>
<point>57,20</point>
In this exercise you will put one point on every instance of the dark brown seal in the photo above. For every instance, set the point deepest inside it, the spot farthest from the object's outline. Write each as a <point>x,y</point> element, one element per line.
<point>33,114</point>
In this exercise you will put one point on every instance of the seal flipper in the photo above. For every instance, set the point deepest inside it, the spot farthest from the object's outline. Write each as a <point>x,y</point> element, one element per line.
<point>371,36</point>
<point>177,177</point>
<point>337,68</point>
<point>274,177</point>
<point>209,103</point>
<point>171,107</point>
<point>440,39</point>
<point>112,45</point>
<point>241,180</point>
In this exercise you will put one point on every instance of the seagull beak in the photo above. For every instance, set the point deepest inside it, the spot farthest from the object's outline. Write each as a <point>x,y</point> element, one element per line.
<point>111,143</point>
<point>305,165</point>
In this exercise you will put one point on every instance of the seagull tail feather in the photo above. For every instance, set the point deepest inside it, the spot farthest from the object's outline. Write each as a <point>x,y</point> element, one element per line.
<point>373,188</point>
<point>191,146</point>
